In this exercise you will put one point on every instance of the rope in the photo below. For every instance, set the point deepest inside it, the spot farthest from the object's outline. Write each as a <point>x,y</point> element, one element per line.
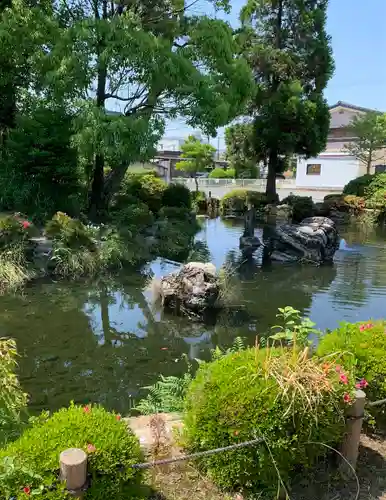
<point>199,454</point>
<point>376,403</point>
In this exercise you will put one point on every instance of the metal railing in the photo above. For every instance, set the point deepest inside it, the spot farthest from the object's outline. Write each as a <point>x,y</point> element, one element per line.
<point>257,183</point>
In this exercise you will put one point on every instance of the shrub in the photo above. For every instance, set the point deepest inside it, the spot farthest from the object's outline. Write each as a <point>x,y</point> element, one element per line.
<point>71,233</point>
<point>13,231</point>
<point>200,202</point>
<point>221,173</point>
<point>361,346</point>
<point>237,200</point>
<point>110,445</point>
<point>354,203</point>
<point>146,188</point>
<point>282,396</point>
<point>377,200</point>
<point>176,195</point>
<point>13,268</point>
<point>13,400</point>
<point>357,186</point>
<point>137,216</point>
<point>302,206</point>
<point>175,213</point>
<point>378,183</point>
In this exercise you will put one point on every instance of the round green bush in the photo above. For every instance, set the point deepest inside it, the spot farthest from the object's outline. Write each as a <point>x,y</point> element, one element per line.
<point>302,206</point>
<point>358,186</point>
<point>32,461</point>
<point>175,213</point>
<point>134,216</point>
<point>237,200</point>
<point>238,398</point>
<point>72,233</point>
<point>361,346</point>
<point>221,173</point>
<point>146,188</point>
<point>177,195</point>
<point>13,231</point>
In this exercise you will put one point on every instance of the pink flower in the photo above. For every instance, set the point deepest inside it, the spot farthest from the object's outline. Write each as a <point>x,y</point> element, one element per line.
<point>27,490</point>
<point>343,378</point>
<point>362,328</point>
<point>362,384</point>
<point>366,327</point>
<point>338,368</point>
<point>91,448</point>
<point>86,409</point>
<point>346,397</point>
<point>369,325</point>
<point>164,348</point>
<point>118,417</point>
<point>25,224</point>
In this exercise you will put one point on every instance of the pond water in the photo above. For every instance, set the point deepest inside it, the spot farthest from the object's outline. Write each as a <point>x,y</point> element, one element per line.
<point>102,342</point>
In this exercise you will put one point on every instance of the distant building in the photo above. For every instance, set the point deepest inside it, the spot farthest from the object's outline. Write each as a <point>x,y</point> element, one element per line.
<point>334,167</point>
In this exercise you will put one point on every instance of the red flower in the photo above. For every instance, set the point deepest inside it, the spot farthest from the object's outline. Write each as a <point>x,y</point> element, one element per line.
<point>27,490</point>
<point>91,448</point>
<point>86,409</point>
<point>25,224</point>
<point>362,328</point>
<point>343,378</point>
<point>366,327</point>
<point>118,417</point>
<point>346,397</point>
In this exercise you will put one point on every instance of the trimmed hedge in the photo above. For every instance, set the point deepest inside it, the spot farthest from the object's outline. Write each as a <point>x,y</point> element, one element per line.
<point>110,445</point>
<point>177,195</point>
<point>237,200</point>
<point>237,398</point>
<point>221,173</point>
<point>358,186</point>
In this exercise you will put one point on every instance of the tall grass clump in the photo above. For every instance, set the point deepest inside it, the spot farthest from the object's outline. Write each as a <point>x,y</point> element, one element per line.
<point>294,403</point>
<point>13,400</point>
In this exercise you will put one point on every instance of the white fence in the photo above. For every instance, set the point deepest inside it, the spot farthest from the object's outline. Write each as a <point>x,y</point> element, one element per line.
<point>258,184</point>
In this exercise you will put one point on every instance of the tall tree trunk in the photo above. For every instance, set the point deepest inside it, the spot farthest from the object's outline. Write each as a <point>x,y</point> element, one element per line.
<point>97,202</point>
<point>270,189</point>
<point>196,181</point>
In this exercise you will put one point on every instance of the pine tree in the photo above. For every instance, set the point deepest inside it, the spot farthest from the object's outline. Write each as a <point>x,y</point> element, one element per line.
<point>287,47</point>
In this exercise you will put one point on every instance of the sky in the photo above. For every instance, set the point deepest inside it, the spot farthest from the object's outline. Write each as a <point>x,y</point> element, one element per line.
<point>358,32</point>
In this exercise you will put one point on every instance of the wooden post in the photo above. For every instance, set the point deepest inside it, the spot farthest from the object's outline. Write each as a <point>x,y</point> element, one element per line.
<point>73,469</point>
<point>350,446</point>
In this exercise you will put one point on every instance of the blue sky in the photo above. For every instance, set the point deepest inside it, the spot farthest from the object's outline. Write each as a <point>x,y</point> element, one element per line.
<point>358,31</point>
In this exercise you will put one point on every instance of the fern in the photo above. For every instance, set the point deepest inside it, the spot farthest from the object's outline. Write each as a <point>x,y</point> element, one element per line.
<point>237,346</point>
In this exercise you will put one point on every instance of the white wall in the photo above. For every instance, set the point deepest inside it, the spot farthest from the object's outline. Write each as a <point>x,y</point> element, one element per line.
<point>336,172</point>
<point>341,117</point>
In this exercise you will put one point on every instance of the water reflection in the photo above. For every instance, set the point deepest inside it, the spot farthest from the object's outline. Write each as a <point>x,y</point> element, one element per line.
<point>102,341</point>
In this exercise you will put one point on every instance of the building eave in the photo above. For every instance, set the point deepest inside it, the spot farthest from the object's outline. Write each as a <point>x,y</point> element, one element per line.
<point>347,105</point>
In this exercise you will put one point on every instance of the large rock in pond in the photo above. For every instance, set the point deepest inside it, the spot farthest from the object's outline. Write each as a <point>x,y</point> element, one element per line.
<point>314,240</point>
<point>192,289</point>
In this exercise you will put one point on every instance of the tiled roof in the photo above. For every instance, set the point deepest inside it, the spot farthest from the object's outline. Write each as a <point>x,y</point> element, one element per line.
<point>351,106</point>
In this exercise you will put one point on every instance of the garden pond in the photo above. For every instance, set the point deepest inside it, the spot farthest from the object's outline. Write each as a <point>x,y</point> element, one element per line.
<point>103,341</point>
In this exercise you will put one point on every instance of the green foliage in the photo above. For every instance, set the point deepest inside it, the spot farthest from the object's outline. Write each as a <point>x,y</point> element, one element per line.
<point>175,213</point>
<point>14,272</point>
<point>176,195</point>
<point>147,188</point>
<point>361,346</point>
<point>357,186</point>
<point>237,200</point>
<point>295,329</point>
<point>204,82</point>
<point>199,157</point>
<point>281,396</point>
<point>40,174</point>
<point>240,151</point>
<point>13,400</point>
<point>290,54</point>
<point>377,200</point>
<point>32,460</point>
<point>134,217</point>
<point>70,233</point>
<point>369,131</point>
<point>13,231</point>
<point>220,173</point>
<point>302,206</point>
<point>167,394</point>
<point>378,183</point>
<point>355,203</point>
